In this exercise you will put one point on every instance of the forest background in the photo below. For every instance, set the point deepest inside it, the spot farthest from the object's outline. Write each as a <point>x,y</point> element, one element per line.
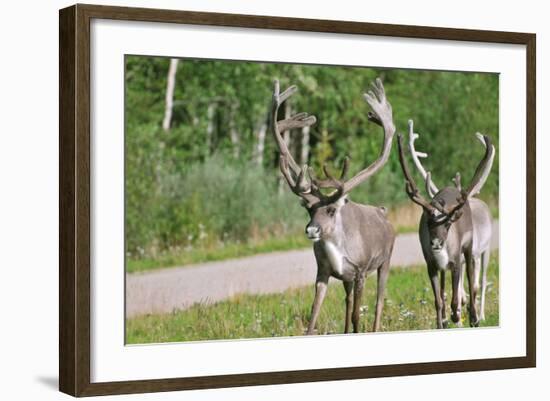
<point>201,166</point>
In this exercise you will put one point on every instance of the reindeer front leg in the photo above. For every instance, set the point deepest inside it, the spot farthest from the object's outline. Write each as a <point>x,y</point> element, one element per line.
<point>320,292</point>
<point>432,272</point>
<point>456,302</point>
<point>357,295</point>
<point>348,286</point>
<point>443,299</point>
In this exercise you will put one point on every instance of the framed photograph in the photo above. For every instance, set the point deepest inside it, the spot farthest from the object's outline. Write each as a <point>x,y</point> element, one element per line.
<point>250,200</point>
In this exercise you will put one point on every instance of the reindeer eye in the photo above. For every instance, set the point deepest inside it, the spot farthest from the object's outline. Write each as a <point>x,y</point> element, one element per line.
<point>331,211</point>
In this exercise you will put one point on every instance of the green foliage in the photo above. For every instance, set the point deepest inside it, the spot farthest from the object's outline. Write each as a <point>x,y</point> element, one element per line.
<point>408,306</point>
<point>188,188</point>
<point>202,206</point>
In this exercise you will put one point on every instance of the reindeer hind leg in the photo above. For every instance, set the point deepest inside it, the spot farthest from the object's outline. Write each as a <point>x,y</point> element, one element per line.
<point>484,266</point>
<point>473,286</point>
<point>382,278</point>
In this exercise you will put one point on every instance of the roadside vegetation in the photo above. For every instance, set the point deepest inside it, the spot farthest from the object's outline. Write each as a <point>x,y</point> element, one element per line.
<point>408,306</point>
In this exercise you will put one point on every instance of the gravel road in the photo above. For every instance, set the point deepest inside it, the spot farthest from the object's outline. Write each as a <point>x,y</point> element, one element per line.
<point>162,291</point>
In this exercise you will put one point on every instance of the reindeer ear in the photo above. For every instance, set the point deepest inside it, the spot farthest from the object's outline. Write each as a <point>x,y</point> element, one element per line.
<point>456,215</point>
<point>342,201</point>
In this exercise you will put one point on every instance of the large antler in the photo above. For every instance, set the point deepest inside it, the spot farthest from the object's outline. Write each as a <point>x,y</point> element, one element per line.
<point>293,174</point>
<point>381,114</point>
<point>431,188</point>
<point>478,179</point>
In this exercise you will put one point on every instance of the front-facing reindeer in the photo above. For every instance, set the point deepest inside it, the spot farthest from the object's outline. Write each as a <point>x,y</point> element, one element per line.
<point>350,240</point>
<point>481,217</point>
<point>446,234</point>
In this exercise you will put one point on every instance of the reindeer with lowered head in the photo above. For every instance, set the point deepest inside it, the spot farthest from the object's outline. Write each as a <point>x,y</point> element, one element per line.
<point>481,217</point>
<point>446,233</point>
<point>350,240</point>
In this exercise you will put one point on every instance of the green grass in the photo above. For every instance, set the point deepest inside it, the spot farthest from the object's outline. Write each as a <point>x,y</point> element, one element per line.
<point>227,251</point>
<point>408,306</point>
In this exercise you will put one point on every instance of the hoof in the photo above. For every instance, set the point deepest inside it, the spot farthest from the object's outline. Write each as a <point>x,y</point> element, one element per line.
<point>445,324</point>
<point>455,317</point>
<point>475,324</point>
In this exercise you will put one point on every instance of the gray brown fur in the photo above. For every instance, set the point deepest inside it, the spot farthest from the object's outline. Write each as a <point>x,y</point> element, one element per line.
<point>481,217</point>
<point>350,240</point>
<point>446,234</point>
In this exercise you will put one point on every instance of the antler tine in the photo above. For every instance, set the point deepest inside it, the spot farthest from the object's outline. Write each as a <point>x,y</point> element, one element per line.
<point>330,182</point>
<point>431,188</point>
<point>283,166</point>
<point>428,184</point>
<point>381,114</point>
<point>483,167</point>
<point>345,168</point>
<point>457,181</point>
<point>483,178</point>
<point>300,187</point>
<point>411,188</point>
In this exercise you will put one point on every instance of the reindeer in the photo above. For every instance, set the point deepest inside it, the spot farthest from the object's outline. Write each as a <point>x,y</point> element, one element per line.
<point>446,235</point>
<point>481,217</point>
<point>350,240</point>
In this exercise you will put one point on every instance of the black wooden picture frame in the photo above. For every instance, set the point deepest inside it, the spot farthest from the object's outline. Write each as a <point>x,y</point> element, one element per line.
<point>74,199</point>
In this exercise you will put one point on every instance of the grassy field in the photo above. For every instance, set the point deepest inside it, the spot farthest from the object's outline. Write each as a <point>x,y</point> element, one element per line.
<point>408,306</point>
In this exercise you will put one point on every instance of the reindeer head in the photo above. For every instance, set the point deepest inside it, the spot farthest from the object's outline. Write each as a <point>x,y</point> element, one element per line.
<point>449,209</point>
<point>325,208</point>
<point>448,205</point>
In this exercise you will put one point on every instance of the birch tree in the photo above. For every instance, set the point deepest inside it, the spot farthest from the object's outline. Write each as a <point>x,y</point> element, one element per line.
<point>169,100</point>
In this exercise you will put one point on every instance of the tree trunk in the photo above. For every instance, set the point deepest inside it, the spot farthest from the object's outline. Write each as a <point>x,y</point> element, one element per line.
<point>260,144</point>
<point>210,127</point>
<point>234,133</point>
<point>304,151</point>
<point>170,85</point>
<point>263,125</point>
